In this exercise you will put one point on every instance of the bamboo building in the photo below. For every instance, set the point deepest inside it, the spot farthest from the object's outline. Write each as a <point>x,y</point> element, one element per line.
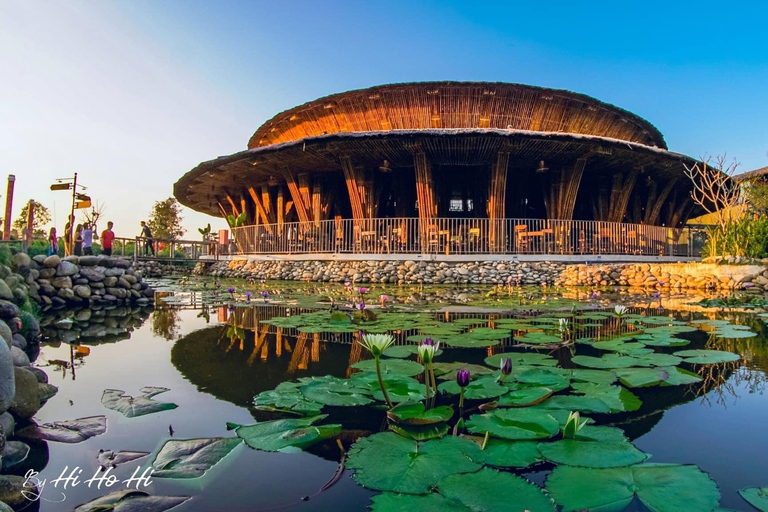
<point>433,153</point>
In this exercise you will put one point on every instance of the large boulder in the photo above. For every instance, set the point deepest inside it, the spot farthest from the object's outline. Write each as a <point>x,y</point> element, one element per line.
<point>89,261</point>
<point>51,261</point>
<point>7,381</point>
<point>20,259</point>
<point>14,490</point>
<point>5,291</point>
<point>5,333</point>
<point>92,274</point>
<point>20,358</point>
<point>7,423</point>
<point>82,291</point>
<point>66,268</point>
<point>26,401</point>
<point>8,309</point>
<point>61,282</point>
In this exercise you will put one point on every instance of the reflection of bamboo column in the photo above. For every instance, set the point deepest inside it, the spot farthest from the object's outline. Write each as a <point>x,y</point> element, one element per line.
<point>298,352</point>
<point>265,352</point>
<point>258,343</point>
<point>316,348</point>
<point>355,355</point>
<point>279,344</point>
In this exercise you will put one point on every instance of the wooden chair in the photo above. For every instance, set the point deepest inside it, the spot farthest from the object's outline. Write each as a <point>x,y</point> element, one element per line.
<point>473,240</point>
<point>521,238</point>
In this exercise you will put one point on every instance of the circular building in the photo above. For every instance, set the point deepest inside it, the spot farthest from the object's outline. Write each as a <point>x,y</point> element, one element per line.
<point>450,166</point>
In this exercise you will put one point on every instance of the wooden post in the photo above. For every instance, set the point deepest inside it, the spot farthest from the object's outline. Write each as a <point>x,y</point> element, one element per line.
<point>9,208</point>
<point>298,200</point>
<point>623,184</point>
<point>354,188</point>
<point>654,204</point>
<point>30,223</point>
<point>497,201</point>
<point>424,195</point>
<point>260,210</point>
<point>280,210</point>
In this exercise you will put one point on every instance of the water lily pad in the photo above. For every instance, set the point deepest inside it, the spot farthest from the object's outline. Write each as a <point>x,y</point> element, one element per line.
<point>72,431</point>
<point>132,407</point>
<point>333,391</point>
<point>606,361</point>
<point>661,340</point>
<point>393,502</point>
<point>399,351</point>
<point>662,375</point>
<point>670,329</point>
<point>515,424</point>
<point>596,376</point>
<point>555,379</point>
<point>479,389</point>
<point>757,497</point>
<point>191,458</point>
<point>622,347</point>
<point>660,487</point>
<point>707,356</point>
<point>421,432</point>
<point>734,332</point>
<point>414,413</point>
<point>469,341</point>
<point>399,388</point>
<point>617,398</point>
<point>279,435</point>
<point>525,397</point>
<point>447,371</point>
<point>495,491</point>
<point>594,447</point>
<point>502,453</point>
<point>577,403</point>
<point>131,501</point>
<point>389,462</point>
<point>109,458</point>
<point>521,359</point>
<point>402,367</point>
<point>539,338</point>
<point>287,396</point>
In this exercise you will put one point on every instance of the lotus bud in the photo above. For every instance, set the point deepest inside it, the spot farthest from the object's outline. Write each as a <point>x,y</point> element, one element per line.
<point>563,325</point>
<point>505,366</point>
<point>377,343</point>
<point>463,378</point>
<point>427,351</point>
<point>573,425</point>
<point>619,310</point>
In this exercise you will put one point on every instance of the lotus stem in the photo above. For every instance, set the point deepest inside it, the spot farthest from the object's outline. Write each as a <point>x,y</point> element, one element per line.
<point>461,404</point>
<point>381,384</point>
<point>426,382</point>
<point>432,373</point>
<point>485,440</point>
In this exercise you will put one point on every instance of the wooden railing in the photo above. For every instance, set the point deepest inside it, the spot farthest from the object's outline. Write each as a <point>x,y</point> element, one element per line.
<point>465,236</point>
<point>139,248</point>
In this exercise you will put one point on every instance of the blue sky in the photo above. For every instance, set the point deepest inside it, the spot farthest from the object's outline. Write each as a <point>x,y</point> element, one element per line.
<point>133,94</point>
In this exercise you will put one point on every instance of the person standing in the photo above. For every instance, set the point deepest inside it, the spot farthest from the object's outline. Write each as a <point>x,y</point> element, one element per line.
<point>88,236</point>
<point>149,243</point>
<point>53,241</point>
<point>107,237</point>
<point>79,240</point>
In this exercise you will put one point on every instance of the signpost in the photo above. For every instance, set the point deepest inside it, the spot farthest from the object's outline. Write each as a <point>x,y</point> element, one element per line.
<point>78,201</point>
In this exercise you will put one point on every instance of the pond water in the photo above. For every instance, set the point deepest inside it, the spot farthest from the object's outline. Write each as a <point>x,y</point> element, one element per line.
<point>215,351</point>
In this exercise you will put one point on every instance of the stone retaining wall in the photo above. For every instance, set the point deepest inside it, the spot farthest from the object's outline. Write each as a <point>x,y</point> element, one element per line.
<point>86,280</point>
<point>661,275</point>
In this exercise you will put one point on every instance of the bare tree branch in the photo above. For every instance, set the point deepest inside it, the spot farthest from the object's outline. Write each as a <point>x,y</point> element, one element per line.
<point>714,188</point>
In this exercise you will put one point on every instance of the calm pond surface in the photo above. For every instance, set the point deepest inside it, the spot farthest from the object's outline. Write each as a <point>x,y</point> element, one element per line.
<point>215,359</point>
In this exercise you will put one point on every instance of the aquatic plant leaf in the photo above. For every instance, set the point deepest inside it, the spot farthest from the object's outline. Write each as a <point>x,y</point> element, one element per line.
<point>515,424</point>
<point>469,341</point>
<point>660,375</point>
<point>502,453</point>
<point>525,397</point>
<point>606,361</point>
<point>555,379</point>
<point>131,407</point>
<point>492,490</point>
<point>734,332</point>
<point>660,487</point>
<point>333,391</point>
<point>131,501</point>
<point>488,333</point>
<point>414,413</point>
<point>421,432</point>
<point>670,329</point>
<point>707,356</point>
<point>109,458</point>
<point>399,351</point>
<point>287,396</point>
<point>402,367</point>
<point>579,403</point>
<point>661,340</point>
<point>521,359</point>
<point>596,376</point>
<point>617,398</point>
<point>479,389</point>
<point>757,497</point>
<point>399,388</point>
<point>447,371</point>
<point>278,435</point>
<point>539,338</point>
<point>72,431</point>
<point>594,447</point>
<point>191,458</point>
<point>622,347</point>
<point>394,502</point>
<point>389,462</point>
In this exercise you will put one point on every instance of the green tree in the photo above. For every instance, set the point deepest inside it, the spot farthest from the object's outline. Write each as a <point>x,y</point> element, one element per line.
<point>165,220</point>
<point>42,217</point>
<point>756,193</point>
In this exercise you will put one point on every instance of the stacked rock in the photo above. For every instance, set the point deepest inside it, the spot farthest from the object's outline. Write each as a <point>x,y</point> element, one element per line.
<point>88,280</point>
<point>23,391</point>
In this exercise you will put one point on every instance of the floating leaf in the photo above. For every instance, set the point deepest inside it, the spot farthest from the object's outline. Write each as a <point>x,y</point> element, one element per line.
<point>491,490</point>
<point>525,397</point>
<point>521,359</point>
<point>131,501</point>
<point>539,338</point>
<point>420,432</point>
<point>707,356</point>
<point>480,389</point>
<point>515,424</point>
<point>577,403</point>
<point>662,375</point>
<point>616,397</point>
<point>399,388</point>
<point>757,497</point>
<point>660,487</point>
<point>399,351</point>
<point>594,447</point>
<point>131,407</point>
<point>661,340</point>
<point>109,458</point>
<point>510,454</point>
<point>287,396</point>
<point>389,462</point>
<point>333,391</point>
<point>607,361</point>
<point>596,376</point>
<point>391,367</point>
<point>670,329</point>
<point>73,431</point>
<point>555,379</point>
<point>278,435</point>
<point>393,502</point>
<point>191,458</point>
<point>447,371</point>
<point>622,347</point>
<point>414,413</point>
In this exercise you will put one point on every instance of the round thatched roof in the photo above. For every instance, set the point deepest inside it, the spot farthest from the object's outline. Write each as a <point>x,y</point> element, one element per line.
<point>456,105</point>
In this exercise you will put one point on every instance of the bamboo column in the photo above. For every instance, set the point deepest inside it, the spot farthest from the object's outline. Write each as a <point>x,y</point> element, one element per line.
<point>623,184</point>
<point>561,200</point>
<point>497,201</point>
<point>354,187</point>
<point>302,209</point>
<point>655,202</point>
<point>424,195</point>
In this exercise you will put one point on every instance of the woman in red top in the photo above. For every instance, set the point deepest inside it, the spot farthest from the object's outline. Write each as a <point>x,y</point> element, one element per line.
<point>107,237</point>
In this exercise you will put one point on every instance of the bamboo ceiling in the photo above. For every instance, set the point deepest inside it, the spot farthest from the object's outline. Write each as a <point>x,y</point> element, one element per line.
<point>456,105</point>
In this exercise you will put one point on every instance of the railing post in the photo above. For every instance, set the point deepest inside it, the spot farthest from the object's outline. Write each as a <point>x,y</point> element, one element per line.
<point>135,250</point>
